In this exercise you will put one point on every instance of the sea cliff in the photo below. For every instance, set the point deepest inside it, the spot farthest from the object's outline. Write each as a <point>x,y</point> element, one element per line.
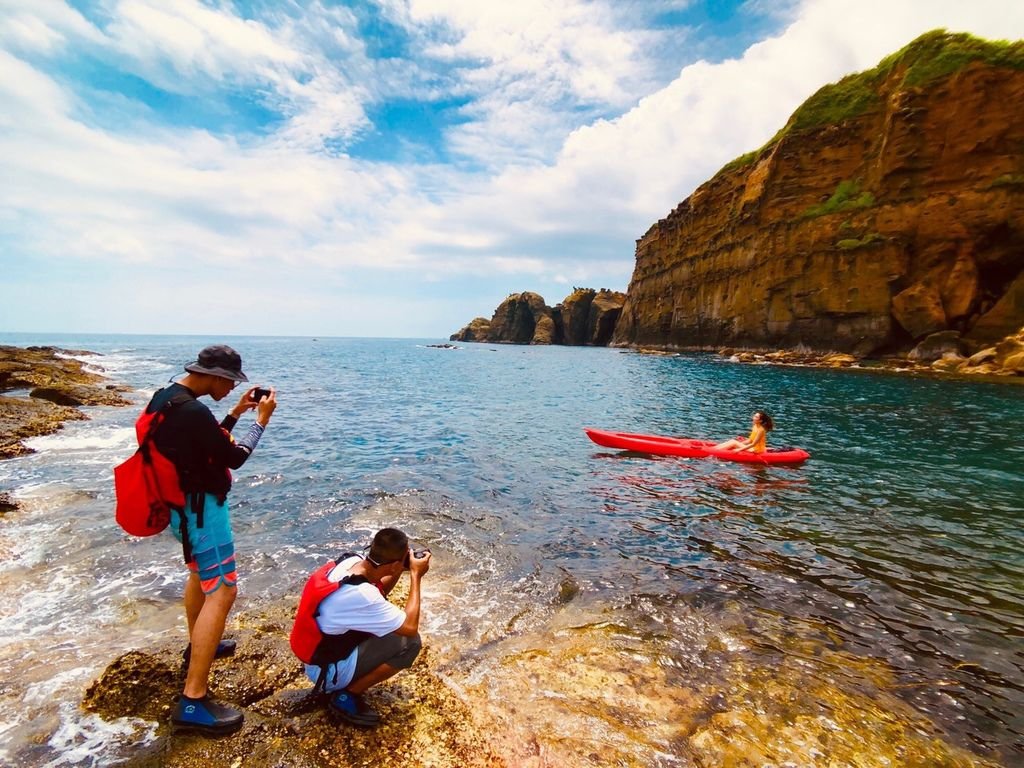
<point>889,208</point>
<point>584,318</point>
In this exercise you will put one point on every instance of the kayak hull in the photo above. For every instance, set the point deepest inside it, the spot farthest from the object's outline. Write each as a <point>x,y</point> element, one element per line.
<point>771,456</point>
<point>654,444</point>
<point>659,445</point>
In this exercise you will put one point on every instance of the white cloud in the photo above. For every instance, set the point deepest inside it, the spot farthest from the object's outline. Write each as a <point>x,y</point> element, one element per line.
<point>619,176</point>
<point>33,26</point>
<point>533,67</point>
<point>564,197</point>
<point>195,39</point>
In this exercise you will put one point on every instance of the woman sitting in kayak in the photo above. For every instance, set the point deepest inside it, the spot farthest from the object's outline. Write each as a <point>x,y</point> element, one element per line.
<point>757,442</point>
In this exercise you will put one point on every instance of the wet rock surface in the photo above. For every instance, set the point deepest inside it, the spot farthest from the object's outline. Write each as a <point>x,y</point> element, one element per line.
<point>6,505</point>
<point>584,692</point>
<point>55,385</point>
<point>590,693</point>
<point>424,722</point>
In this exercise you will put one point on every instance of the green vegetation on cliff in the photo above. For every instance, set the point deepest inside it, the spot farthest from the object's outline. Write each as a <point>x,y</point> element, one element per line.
<point>847,197</point>
<point>931,56</point>
<point>848,244</point>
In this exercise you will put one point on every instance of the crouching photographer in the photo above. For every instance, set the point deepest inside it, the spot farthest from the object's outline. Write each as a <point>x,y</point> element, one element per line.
<point>347,633</point>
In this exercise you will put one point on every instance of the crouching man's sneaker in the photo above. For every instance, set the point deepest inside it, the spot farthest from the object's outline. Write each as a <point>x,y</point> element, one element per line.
<point>206,716</point>
<point>351,708</point>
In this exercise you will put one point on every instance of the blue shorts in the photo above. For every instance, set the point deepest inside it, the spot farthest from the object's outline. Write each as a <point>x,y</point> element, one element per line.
<point>213,545</point>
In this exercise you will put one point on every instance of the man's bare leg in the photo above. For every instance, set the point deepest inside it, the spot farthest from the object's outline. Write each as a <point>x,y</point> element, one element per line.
<point>374,676</point>
<point>206,631</point>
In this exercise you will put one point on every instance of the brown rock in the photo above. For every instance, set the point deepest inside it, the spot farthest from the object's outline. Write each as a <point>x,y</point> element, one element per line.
<point>1014,363</point>
<point>6,505</point>
<point>984,356</point>
<point>1005,317</point>
<point>588,317</point>
<point>515,320</point>
<point>56,383</point>
<point>423,721</point>
<point>839,360</point>
<point>937,346</point>
<point>476,330</point>
<point>21,418</point>
<point>960,292</point>
<point>919,310</point>
<point>585,317</point>
<point>950,361</point>
<point>544,331</point>
<point>911,189</point>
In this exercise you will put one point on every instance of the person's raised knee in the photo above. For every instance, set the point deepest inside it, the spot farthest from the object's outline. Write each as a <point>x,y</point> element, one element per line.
<point>411,647</point>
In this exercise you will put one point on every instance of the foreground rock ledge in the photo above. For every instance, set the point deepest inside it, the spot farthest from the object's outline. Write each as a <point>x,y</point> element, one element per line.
<point>56,386</point>
<point>424,721</point>
<point>606,705</point>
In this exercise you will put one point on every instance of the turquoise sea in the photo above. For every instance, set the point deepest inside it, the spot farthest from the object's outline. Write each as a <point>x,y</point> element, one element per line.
<point>892,561</point>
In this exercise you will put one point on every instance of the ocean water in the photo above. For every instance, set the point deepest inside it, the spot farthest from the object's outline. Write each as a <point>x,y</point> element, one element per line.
<point>892,561</point>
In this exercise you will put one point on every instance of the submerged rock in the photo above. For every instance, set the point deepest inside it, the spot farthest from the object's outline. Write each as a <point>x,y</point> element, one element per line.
<point>6,505</point>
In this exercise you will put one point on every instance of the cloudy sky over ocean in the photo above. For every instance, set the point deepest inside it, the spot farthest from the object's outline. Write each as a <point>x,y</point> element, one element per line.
<point>384,167</point>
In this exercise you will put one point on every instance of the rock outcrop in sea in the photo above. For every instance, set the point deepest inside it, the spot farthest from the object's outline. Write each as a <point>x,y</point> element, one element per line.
<point>53,385</point>
<point>889,208</point>
<point>584,318</point>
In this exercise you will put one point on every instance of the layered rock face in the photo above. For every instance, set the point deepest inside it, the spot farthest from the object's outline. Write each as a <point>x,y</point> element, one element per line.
<point>476,330</point>
<point>890,207</point>
<point>522,318</point>
<point>588,317</point>
<point>585,318</point>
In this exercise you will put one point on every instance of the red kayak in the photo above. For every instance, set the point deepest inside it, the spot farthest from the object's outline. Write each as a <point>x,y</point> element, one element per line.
<point>660,446</point>
<point>678,446</point>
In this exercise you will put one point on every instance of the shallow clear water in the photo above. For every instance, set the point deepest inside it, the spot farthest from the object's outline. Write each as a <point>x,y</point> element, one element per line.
<point>900,543</point>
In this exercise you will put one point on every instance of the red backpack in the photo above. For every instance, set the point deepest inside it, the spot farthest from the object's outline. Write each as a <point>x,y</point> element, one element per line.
<point>146,485</point>
<point>308,642</point>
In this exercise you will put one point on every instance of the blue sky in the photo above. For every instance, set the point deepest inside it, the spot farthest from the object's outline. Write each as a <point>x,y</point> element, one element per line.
<point>387,168</point>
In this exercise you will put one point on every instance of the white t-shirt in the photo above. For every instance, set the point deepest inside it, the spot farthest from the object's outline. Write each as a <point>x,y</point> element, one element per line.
<point>359,606</point>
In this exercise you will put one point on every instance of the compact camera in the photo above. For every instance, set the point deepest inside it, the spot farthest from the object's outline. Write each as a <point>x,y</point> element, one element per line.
<point>259,393</point>
<point>417,553</point>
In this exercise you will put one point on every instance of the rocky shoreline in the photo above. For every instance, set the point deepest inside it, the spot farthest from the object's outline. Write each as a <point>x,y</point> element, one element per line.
<point>424,721</point>
<point>784,714</point>
<point>49,386</point>
<point>938,354</point>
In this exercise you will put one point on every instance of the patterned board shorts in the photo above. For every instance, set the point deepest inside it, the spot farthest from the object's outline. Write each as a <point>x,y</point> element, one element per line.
<point>213,545</point>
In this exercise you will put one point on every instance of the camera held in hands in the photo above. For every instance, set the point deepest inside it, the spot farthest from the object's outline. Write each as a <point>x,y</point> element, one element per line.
<point>417,553</point>
<point>259,393</point>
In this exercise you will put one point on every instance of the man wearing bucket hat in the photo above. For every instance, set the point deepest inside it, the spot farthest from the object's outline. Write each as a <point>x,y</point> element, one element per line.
<point>204,453</point>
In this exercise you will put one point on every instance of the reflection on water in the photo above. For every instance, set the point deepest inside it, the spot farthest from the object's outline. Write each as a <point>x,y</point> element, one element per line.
<point>611,608</point>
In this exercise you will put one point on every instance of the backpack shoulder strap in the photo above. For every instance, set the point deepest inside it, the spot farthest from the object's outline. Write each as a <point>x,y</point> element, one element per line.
<point>355,579</point>
<point>178,398</point>
<point>157,417</point>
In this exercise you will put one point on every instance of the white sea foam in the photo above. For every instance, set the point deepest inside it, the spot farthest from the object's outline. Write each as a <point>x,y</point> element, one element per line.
<point>86,739</point>
<point>91,438</point>
<point>119,363</point>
